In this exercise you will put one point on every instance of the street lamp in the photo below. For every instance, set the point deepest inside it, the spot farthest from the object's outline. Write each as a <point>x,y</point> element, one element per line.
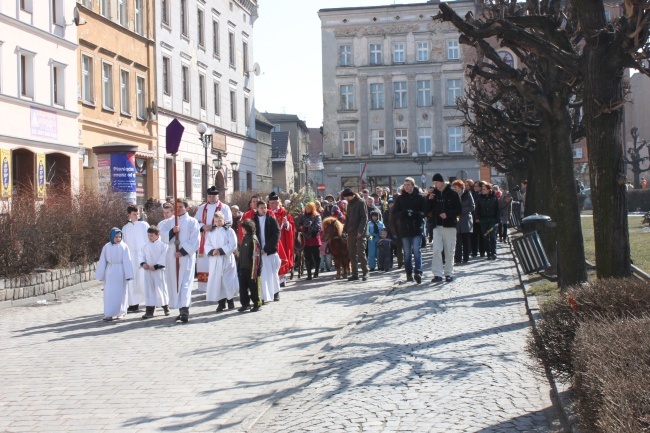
<point>305,160</point>
<point>205,137</point>
<point>422,160</point>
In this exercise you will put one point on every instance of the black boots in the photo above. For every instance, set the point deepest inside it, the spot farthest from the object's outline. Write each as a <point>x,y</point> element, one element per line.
<point>308,273</point>
<point>231,304</point>
<point>184,315</point>
<point>222,305</point>
<point>149,313</point>
<point>133,308</point>
<point>166,309</point>
<point>316,273</point>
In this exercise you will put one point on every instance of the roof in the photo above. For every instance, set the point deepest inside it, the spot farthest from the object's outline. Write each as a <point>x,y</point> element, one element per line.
<point>279,117</point>
<point>279,144</point>
<point>393,6</point>
<point>259,117</point>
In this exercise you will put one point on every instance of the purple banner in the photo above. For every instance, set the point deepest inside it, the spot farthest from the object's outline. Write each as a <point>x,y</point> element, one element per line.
<point>123,175</point>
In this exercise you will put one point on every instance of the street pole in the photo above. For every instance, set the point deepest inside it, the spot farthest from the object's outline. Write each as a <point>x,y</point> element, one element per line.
<point>422,160</point>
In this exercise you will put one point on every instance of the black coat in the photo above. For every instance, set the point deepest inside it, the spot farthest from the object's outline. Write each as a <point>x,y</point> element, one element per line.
<point>271,233</point>
<point>448,202</point>
<point>487,208</point>
<point>409,213</point>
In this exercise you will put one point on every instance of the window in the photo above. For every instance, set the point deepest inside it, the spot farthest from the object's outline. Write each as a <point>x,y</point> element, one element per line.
<point>122,12</point>
<point>345,55</point>
<point>188,179</point>
<point>453,91</point>
<point>138,11</point>
<point>276,128</point>
<point>185,78</point>
<point>167,79</point>
<point>249,180</point>
<point>378,142</point>
<point>105,8</point>
<point>348,141</point>
<point>377,96</point>
<point>399,90</point>
<point>247,108</point>
<point>165,11</point>
<point>375,54</point>
<point>424,141</point>
<point>455,138</point>
<point>347,97</point>
<point>401,141</point>
<point>184,18</point>
<point>58,82</point>
<point>26,75</point>
<point>233,105</point>
<point>231,48</point>
<point>453,52</point>
<point>141,98</point>
<point>87,79</point>
<point>215,39</point>
<point>423,51</point>
<point>424,93</point>
<point>87,3</point>
<point>57,12</point>
<point>125,104</point>
<point>507,58</point>
<point>200,27</point>
<point>607,14</point>
<point>26,5</point>
<point>245,55</point>
<point>202,91</point>
<point>107,85</point>
<point>217,99</point>
<point>398,53</point>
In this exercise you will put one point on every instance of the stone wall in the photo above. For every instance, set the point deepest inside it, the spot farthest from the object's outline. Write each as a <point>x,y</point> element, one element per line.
<point>42,283</point>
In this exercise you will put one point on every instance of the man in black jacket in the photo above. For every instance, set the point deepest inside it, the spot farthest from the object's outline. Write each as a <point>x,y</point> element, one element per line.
<point>409,214</point>
<point>356,224</point>
<point>446,207</point>
<point>268,232</point>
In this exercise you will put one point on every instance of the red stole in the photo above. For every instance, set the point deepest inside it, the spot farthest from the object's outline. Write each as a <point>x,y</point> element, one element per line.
<point>204,221</point>
<point>285,246</point>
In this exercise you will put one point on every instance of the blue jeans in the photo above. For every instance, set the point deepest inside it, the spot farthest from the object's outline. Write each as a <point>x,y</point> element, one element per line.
<point>412,247</point>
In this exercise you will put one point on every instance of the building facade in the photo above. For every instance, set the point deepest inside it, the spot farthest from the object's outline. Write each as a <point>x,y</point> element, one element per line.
<point>299,137</point>
<point>39,146</point>
<point>117,129</point>
<point>264,151</point>
<point>204,51</point>
<point>390,80</point>
<point>282,162</point>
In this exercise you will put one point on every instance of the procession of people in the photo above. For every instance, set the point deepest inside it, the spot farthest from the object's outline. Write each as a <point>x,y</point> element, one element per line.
<point>250,254</point>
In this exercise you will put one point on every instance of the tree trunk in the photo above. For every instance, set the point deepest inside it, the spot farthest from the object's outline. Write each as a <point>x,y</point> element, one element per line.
<point>539,181</point>
<point>603,92</point>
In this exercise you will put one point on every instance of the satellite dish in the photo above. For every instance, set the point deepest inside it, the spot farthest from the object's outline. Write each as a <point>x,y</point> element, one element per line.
<point>78,21</point>
<point>256,69</point>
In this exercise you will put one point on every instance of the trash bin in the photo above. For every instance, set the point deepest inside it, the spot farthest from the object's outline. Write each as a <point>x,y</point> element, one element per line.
<point>530,247</point>
<point>515,215</point>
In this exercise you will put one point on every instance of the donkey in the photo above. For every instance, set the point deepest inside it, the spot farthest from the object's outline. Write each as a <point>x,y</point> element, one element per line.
<point>332,233</point>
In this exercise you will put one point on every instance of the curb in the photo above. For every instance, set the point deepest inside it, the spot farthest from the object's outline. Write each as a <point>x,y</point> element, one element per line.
<point>49,296</point>
<point>567,417</point>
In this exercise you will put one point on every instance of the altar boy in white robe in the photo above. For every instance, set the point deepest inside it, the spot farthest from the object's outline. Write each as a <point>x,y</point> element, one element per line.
<point>268,232</point>
<point>220,244</point>
<point>187,234</point>
<point>114,268</point>
<point>165,226</point>
<point>204,215</point>
<point>152,258</point>
<point>134,234</point>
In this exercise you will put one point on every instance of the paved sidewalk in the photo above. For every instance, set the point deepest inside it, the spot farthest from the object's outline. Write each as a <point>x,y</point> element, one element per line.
<point>424,358</point>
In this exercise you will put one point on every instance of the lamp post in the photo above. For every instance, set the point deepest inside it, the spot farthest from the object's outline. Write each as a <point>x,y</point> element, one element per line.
<point>305,160</point>
<point>422,160</point>
<point>205,137</point>
<point>235,185</point>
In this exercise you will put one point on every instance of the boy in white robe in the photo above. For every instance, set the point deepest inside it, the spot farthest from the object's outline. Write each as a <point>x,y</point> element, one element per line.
<point>134,234</point>
<point>114,268</point>
<point>165,226</point>
<point>220,244</point>
<point>268,232</point>
<point>187,234</point>
<point>152,259</point>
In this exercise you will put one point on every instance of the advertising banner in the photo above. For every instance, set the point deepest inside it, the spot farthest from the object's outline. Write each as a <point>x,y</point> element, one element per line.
<point>104,173</point>
<point>43,123</point>
<point>40,176</point>
<point>5,166</point>
<point>123,175</point>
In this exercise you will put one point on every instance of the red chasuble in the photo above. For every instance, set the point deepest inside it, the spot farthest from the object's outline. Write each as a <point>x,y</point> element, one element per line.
<point>285,247</point>
<point>248,215</point>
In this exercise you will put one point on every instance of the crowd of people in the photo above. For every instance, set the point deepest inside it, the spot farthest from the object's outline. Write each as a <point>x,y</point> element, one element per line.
<point>251,253</point>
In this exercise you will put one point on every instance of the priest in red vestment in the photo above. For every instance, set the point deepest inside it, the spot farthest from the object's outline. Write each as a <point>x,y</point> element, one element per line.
<point>248,215</point>
<point>287,236</point>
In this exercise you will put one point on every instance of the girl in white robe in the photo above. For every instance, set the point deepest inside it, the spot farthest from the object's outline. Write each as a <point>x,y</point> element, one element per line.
<point>220,244</point>
<point>115,269</point>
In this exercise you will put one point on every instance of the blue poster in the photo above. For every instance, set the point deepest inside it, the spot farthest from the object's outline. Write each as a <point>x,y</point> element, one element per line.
<point>123,175</point>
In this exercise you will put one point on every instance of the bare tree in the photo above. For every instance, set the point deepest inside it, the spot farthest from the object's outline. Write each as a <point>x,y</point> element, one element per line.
<point>635,159</point>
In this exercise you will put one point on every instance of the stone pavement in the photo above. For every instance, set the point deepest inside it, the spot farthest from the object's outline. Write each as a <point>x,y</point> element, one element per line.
<point>330,356</point>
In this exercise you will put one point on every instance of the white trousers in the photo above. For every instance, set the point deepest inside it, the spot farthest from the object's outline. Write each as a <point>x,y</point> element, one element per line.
<point>444,239</point>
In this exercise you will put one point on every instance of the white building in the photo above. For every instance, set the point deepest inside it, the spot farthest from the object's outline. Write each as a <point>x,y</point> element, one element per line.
<point>390,79</point>
<point>204,51</point>
<point>38,97</point>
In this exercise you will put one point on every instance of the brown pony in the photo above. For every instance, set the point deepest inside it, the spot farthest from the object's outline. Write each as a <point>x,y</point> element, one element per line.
<point>332,233</point>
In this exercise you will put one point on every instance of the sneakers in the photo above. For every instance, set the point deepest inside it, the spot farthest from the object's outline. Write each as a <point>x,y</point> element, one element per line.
<point>409,278</point>
<point>418,278</point>
<point>449,278</point>
<point>437,280</point>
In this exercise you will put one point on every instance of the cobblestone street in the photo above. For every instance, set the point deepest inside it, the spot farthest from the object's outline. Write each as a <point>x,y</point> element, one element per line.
<point>329,357</point>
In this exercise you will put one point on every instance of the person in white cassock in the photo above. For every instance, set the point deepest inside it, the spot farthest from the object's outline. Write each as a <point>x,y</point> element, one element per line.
<point>134,234</point>
<point>165,226</point>
<point>153,258</point>
<point>220,244</point>
<point>204,215</point>
<point>114,268</point>
<point>268,233</point>
<point>187,233</point>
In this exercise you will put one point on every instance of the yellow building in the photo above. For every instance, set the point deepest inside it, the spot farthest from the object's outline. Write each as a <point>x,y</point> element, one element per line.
<point>117,125</point>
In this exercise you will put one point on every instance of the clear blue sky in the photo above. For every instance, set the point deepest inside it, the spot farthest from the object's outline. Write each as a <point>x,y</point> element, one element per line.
<point>287,45</point>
